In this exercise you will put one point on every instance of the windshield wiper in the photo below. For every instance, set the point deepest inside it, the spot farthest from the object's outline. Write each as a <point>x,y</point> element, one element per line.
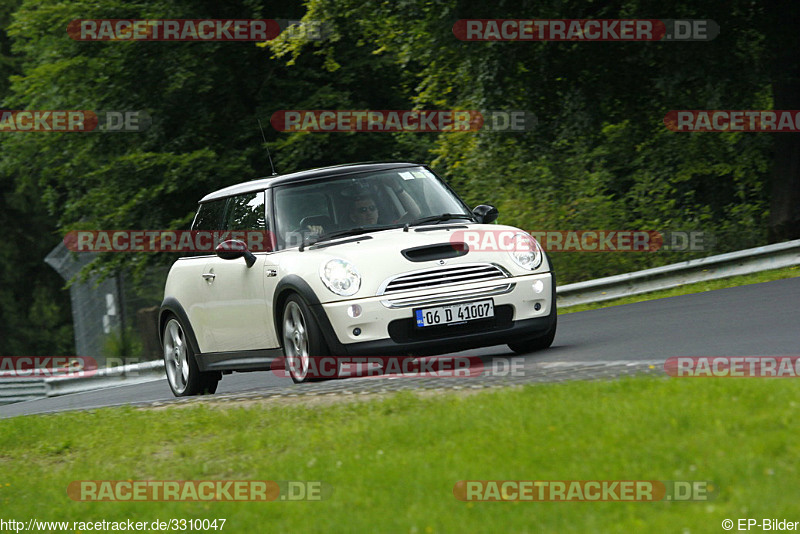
<point>438,218</point>
<point>343,233</point>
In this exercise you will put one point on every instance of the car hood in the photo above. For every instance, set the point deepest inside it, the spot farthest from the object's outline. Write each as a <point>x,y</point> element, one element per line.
<point>385,254</point>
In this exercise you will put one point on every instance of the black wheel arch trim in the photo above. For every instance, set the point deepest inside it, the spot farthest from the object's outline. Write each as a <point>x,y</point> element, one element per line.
<point>552,280</point>
<point>172,306</point>
<point>295,284</point>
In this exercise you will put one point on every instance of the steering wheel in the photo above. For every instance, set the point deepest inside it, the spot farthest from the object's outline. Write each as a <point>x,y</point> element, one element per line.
<point>322,221</point>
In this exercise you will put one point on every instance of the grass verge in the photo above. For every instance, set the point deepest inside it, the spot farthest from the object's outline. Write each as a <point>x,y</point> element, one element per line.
<point>699,287</point>
<point>392,463</point>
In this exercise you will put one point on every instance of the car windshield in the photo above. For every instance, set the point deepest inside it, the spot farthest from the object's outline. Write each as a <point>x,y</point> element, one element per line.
<point>363,202</point>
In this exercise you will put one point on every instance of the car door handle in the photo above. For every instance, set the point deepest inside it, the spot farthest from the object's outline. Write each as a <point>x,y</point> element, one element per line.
<point>209,276</point>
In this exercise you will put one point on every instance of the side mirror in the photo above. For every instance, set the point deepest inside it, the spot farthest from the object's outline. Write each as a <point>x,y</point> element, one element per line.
<point>233,249</point>
<point>486,214</point>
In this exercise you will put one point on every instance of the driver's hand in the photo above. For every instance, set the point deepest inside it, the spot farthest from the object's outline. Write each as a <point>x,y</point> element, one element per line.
<point>315,229</point>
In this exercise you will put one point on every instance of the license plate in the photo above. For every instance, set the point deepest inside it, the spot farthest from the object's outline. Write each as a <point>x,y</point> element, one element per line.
<point>455,313</point>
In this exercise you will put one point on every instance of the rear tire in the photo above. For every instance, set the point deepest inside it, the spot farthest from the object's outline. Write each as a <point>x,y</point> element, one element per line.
<point>183,375</point>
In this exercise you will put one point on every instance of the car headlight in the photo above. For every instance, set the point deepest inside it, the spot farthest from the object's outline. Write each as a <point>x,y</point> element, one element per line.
<point>341,277</point>
<point>526,251</point>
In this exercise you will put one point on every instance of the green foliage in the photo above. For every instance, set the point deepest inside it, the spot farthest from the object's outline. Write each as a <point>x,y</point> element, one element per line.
<point>125,344</point>
<point>204,136</point>
<point>601,157</point>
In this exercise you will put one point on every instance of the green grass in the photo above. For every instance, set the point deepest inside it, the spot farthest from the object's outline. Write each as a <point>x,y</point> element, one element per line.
<point>699,287</point>
<point>392,463</point>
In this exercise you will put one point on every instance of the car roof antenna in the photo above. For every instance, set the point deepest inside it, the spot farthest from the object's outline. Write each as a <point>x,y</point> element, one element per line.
<point>267,147</point>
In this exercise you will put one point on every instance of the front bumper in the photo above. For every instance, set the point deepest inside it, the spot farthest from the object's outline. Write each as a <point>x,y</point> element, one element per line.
<point>386,325</point>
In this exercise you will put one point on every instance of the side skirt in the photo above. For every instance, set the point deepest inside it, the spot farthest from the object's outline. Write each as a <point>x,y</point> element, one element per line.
<point>244,360</point>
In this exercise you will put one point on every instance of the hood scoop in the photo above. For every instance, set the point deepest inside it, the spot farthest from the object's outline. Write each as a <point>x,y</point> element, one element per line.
<point>439,251</point>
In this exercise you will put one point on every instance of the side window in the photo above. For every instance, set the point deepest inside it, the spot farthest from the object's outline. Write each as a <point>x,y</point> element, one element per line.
<point>209,216</point>
<point>246,212</point>
<point>310,204</point>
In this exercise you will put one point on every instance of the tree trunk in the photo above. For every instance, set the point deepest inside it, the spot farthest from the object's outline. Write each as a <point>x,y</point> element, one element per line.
<point>784,209</point>
<point>784,36</point>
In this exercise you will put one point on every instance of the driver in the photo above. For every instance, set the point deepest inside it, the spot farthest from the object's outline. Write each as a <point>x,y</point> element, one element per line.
<point>363,210</point>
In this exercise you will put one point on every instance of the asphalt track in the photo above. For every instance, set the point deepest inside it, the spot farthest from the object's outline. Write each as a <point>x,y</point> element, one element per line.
<point>753,320</point>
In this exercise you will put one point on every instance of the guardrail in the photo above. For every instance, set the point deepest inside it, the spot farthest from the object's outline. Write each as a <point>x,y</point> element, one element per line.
<point>123,375</point>
<point>21,389</point>
<point>711,268</point>
<point>721,266</point>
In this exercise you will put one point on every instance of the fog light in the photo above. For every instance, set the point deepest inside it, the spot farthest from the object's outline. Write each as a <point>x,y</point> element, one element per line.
<point>354,310</point>
<point>537,306</point>
<point>356,331</point>
<point>538,286</point>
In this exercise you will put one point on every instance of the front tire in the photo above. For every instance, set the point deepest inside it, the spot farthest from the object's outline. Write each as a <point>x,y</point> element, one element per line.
<point>183,374</point>
<point>302,341</point>
<point>537,343</point>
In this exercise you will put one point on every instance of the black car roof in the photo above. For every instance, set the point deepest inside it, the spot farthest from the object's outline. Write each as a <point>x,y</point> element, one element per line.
<point>259,184</point>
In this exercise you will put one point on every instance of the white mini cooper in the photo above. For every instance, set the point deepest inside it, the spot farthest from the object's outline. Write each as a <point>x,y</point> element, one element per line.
<point>375,259</point>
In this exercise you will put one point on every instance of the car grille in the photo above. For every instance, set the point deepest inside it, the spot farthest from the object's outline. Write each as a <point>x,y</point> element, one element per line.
<point>437,277</point>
